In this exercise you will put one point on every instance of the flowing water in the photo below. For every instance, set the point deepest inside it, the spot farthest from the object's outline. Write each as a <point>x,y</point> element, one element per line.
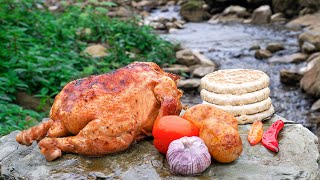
<point>228,45</point>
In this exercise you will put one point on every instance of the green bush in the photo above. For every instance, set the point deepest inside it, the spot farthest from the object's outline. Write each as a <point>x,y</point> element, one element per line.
<point>40,51</point>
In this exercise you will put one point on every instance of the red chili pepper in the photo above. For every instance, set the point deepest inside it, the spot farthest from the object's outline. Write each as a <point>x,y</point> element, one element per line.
<point>269,138</point>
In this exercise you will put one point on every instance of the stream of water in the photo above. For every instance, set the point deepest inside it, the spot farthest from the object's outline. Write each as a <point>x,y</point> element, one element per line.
<point>228,45</point>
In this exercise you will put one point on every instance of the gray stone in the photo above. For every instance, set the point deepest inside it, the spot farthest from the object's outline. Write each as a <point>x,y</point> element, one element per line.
<point>177,69</point>
<point>311,80</point>
<point>316,106</point>
<point>262,54</point>
<point>261,15</point>
<point>313,56</point>
<point>186,57</point>
<point>274,47</point>
<point>237,10</point>
<point>290,77</point>
<point>178,25</point>
<point>203,60</point>
<point>308,48</point>
<point>145,4</point>
<point>189,84</point>
<point>298,158</point>
<point>225,19</point>
<point>278,17</point>
<point>201,71</point>
<point>309,22</point>
<point>173,30</point>
<point>194,11</point>
<point>255,47</point>
<point>292,58</point>
<point>313,38</point>
<point>158,26</point>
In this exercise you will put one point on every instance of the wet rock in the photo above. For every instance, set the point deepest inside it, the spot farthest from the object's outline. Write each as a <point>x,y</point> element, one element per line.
<point>308,48</point>
<point>178,25</point>
<point>292,7</point>
<point>313,56</point>
<point>158,26</point>
<point>96,51</point>
<point>202,70</point>
<point>309,22</point>
<point>298,158</point>
<point>186,57</point>
<point>261,15</point>
<point>189,84</point>
<point>164,9</point>
<point>255,47</point>
<point>278,18</point>
<point>193,10</point>
<point>292,58</point>
<point>169,25</point>
<point>173,30</point>
<point>310,82</point>
<point>237,10</point>
<point>311,63</point>
<point>315,106</point>
<point>310,37</point>
<point>274,47</point>
<point>290,77</point>
<point>225,19</point>
<point>145,4</point>
<point>177,69</point>
<point>262,54</point>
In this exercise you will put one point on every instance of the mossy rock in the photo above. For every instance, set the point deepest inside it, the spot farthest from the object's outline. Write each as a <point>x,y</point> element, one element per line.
<point>193,11</point>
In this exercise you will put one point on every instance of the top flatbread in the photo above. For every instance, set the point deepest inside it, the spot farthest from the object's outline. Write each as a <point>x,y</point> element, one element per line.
<point>235,81</point>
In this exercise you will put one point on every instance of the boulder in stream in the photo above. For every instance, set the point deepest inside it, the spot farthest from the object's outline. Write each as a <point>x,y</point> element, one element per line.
<point>311,80</point>
<point>290,77</point>
<point>298,158</point>
<point>274,47</point>
<point>291,58</point>
<point>262,54</point>
<point>194,11</point>
<point>261,15</point>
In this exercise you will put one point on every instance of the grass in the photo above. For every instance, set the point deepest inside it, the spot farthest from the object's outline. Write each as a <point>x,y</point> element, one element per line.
<point>40,51</point>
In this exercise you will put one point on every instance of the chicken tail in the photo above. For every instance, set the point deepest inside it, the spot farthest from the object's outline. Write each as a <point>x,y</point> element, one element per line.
<point>34,133</point>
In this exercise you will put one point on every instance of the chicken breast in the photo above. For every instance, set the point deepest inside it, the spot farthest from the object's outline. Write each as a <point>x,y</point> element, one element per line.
<point>104,114</point>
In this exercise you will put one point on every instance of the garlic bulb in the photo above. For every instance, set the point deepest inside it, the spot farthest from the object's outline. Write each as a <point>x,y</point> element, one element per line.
<point>188,156</point>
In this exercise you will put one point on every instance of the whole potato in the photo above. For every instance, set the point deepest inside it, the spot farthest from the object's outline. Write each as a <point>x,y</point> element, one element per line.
<point>223,141</point>
<point>198,113</point>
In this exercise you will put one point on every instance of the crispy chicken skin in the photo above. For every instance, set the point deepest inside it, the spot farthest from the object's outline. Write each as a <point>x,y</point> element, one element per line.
<point>104,114</point>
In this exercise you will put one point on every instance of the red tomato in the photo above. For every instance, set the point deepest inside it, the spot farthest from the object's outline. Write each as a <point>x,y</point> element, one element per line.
<point>169,128</point>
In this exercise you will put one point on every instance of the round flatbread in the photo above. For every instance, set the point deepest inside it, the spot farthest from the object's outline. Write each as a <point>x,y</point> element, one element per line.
<point>235,81</point>
<point>245,119</point>
<point>235,100</point>
<point>245,109</point>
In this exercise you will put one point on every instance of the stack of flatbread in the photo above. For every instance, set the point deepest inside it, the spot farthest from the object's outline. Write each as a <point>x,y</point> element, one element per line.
<point>243,93</point>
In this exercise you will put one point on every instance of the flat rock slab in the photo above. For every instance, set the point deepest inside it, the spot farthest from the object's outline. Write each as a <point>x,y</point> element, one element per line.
<point>298,159</point>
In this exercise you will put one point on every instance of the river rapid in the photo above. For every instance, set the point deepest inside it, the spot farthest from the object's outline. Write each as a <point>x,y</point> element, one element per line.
<point>228,45</point>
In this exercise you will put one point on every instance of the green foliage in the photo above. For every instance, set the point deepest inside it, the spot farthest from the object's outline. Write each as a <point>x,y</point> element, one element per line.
<point>40,51</point>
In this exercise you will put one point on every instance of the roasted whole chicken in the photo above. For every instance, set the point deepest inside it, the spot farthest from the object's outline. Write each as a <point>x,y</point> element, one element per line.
<point>104,114</point>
